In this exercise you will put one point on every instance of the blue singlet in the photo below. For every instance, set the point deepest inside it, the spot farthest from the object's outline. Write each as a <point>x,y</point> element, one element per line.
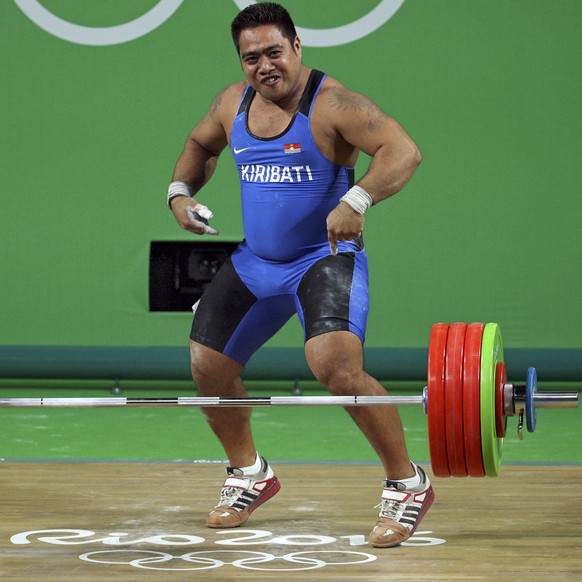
<point>284,265</point>
<point>288,187</point>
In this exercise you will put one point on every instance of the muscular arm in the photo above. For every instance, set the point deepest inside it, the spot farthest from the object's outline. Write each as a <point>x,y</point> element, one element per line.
<point>359,124</point>
<point>197,163</point>
<point>198,159</point>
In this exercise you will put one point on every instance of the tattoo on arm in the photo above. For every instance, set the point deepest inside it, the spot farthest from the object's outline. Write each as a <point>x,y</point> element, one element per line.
<point>215,105</point>
<point>343,102</point>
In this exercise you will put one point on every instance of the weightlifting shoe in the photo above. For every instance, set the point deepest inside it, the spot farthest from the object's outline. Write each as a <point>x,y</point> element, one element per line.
<point>401,510</point>
<point>241,495</point>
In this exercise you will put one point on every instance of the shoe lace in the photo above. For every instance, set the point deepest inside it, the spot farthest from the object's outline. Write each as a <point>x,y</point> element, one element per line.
<point>228,496</point>
<point>390,508</point>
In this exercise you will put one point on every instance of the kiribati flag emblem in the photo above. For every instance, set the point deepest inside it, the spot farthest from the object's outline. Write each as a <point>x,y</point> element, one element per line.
<point>292,148</point>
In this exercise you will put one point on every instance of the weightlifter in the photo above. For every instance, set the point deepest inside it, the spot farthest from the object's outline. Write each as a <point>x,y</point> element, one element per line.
<point>295,134</point>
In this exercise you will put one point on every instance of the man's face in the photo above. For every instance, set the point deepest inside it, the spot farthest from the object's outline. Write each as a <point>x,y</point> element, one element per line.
<point>272,65</point>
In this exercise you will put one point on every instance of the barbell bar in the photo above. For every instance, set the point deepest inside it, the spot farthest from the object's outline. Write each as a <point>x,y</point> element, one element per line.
<point>541,400</point>
<point>467,400</point>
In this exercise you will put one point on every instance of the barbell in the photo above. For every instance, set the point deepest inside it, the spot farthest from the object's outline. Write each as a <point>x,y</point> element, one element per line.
<point>467,400</point>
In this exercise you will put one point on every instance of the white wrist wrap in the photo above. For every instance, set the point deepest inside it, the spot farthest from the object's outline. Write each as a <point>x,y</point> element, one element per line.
<point>179,189</point>
<point>358,199</point>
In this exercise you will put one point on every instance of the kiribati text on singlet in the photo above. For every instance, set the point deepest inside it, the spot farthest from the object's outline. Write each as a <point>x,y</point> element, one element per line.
<point>271,173</point>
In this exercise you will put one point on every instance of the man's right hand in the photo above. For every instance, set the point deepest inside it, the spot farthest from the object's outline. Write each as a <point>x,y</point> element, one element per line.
<point>192,215</point>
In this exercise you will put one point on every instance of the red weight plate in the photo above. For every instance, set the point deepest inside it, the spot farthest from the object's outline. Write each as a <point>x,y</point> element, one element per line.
<point>436,400</point>
<point>472,400</point>
<point>454,399</point>
<point>500,382</point>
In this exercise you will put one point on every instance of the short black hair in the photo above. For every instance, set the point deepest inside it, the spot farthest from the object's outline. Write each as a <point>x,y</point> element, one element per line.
<point>259,14</point>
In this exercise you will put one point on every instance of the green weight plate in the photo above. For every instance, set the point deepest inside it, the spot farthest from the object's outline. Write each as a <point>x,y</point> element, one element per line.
<point>491,355</point>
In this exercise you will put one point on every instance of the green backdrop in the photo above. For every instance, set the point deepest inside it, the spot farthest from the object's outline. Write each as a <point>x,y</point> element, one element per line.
<point>488,229</point>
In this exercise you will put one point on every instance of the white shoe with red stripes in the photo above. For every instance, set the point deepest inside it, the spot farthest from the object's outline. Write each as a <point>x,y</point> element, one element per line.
<point>401,510</point>
<point>241,495</point>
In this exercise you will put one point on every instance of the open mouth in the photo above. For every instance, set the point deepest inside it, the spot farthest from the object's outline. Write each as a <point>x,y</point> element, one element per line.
<point>270,80</point>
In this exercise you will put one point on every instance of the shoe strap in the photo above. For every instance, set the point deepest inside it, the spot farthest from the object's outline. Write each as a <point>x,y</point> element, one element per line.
<point>232,481</point>
<point>398,496</point>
